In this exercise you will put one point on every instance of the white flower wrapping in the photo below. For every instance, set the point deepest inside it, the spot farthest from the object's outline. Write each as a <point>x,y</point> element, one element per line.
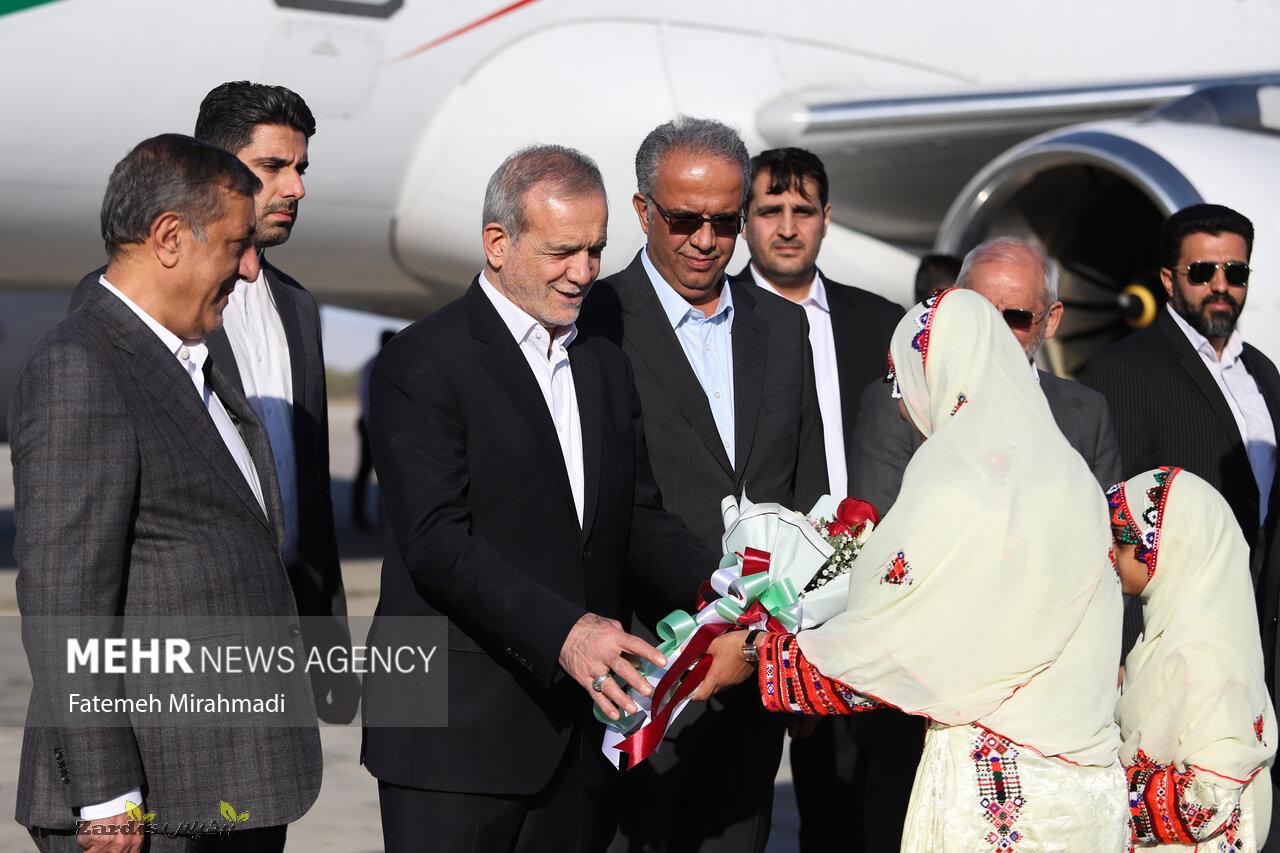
<point>797,549</point>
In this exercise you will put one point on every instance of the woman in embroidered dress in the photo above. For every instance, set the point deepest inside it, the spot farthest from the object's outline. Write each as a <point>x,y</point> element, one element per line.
<point>985,601</point>
<point>1197,723</point>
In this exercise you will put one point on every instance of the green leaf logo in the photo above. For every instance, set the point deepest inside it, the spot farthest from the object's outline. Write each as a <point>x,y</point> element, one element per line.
<point>243,817</point>
<point>228,812</point>
<point>148,817</point>
<point>133,811</point>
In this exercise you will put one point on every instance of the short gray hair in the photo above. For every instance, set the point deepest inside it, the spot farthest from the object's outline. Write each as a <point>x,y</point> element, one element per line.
<point>170,173</point>
<point>701,135</point>
<point>572,172</point>
<point>1011,250</point>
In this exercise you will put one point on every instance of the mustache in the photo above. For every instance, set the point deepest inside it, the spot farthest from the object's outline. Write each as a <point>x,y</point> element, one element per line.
<point>290,207</point>
<point>1220,299</point>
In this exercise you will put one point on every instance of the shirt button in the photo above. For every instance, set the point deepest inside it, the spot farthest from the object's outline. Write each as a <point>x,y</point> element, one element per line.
<point>708,347</point>
<point>184,353</point>
<point>717,395</point>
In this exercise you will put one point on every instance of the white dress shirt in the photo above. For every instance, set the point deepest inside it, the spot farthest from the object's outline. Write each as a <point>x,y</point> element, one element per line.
<point>252,323</point>
<point>549,360</point>
<point>192,357</point>
<point>1246,402</point>
<point>822,341</point>
<point>707,343</point>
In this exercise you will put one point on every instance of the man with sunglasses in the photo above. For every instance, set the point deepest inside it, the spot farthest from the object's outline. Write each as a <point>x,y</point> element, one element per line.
<point>726,383</point>
<point>1188,390</point>
<point>1022,283</point>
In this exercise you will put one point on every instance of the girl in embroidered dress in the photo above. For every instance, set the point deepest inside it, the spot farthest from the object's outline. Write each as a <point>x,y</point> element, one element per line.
<point>985,601</point>
<point>1197,723</point>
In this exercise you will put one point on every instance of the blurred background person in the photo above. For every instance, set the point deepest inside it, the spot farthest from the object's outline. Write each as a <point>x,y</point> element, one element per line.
<point>364,469</point>
<point>935,272</point>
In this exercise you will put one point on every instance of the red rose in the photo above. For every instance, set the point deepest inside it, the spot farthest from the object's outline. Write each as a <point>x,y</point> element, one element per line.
<point>850,516</point>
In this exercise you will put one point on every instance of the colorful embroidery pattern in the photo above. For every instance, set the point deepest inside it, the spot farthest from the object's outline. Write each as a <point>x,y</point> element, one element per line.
<point>920,343</point>
<point>1159,812</point>
<point>788,682</point>
<point>999,788</point>
<point>1125,525</point>
<point>899,571</point>
<point>960,401</point>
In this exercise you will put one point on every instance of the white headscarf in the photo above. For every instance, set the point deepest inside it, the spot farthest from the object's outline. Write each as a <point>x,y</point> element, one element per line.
<point>1194,690</point>
<point>987,594</point>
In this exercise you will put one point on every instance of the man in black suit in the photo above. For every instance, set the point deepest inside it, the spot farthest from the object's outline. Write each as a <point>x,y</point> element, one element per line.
<point>1188,390</point>
<point>1022,283</point>
<point>520,504</point>
<point>849,330</point>
<point>726,381</point>
<point>270,346</point>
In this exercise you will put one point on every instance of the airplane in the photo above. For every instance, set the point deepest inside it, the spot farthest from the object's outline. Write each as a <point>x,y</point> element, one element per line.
<point>941,124</point>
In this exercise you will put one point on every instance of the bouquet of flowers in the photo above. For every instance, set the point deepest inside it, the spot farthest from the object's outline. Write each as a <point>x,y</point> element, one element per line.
<point>782,570</point>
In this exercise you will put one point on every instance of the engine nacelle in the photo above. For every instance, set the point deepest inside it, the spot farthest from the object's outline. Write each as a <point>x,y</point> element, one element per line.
<point>1094,197</point>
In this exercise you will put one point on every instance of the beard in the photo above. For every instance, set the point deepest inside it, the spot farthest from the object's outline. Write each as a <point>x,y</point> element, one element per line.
<point>1213,325</point>
<point>270,232</point>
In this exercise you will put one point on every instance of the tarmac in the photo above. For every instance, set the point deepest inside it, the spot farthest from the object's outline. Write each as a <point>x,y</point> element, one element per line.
<point>345,817</point>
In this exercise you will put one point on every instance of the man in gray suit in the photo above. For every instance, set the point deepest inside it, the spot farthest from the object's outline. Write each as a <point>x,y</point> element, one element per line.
<point>145,489</point>
<point>1022,283</point>
<point>726,384</point>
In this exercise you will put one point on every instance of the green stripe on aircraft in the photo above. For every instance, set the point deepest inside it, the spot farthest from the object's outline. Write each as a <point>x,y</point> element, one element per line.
<point>8,7</point>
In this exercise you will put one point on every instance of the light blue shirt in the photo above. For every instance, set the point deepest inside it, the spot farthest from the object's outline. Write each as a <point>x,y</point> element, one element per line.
<point>708,346</point>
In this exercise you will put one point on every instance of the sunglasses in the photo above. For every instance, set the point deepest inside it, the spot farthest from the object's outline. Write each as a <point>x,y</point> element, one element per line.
<point>1202,272</point>
<point>688,224</point>
<point>1020,319</point>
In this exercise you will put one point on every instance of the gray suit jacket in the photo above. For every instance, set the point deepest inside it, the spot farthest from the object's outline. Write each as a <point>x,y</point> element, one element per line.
<point>779,454</point>
<point>129,505</point>
<point>883,442</point>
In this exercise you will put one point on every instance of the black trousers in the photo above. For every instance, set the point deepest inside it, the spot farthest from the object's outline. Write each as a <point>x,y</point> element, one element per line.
<point>853,780</point>
<point>264,839</point>
<point>562,818</point>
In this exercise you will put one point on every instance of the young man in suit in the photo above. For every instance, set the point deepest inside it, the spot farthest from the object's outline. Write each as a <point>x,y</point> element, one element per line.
<point>519,503</point>
<point>726,381</point>
<point>1022,283</point>
<point>849,330</point>
<point>145,489</point>
<point>270,345</point>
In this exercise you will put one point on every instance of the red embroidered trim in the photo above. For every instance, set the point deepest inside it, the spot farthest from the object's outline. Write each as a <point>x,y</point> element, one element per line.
<point>789,683</point>
<point>1159,811</point>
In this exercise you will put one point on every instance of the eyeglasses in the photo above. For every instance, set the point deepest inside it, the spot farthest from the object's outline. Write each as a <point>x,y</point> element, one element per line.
<point>1202,272</point>
<point>1020,319</point>
<point>687,224</point>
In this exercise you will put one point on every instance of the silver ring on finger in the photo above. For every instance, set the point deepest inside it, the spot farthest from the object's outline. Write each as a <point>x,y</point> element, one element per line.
<point>597,683</point>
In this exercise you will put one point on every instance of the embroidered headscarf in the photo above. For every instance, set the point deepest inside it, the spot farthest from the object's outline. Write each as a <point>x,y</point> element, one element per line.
<point>986,595</point>
<point>1194,689</point>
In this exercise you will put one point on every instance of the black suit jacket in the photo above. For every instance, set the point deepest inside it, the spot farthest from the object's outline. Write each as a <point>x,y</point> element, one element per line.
<point>1168,410</point>
<point>482,528</point>
<point>862,324</point>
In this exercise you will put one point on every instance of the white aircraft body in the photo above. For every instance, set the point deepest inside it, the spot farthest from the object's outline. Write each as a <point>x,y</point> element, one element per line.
<point>1079,126</point>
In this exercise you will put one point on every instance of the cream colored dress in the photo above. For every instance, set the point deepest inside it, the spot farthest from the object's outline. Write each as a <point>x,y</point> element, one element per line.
<point>975,792</point>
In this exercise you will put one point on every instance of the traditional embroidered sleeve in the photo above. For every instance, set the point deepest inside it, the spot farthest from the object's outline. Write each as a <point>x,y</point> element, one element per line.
<point>1168,806</point>
<point>788,682</point>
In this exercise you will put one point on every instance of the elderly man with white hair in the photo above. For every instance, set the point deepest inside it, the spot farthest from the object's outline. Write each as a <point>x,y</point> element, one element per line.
<point>1022,283</point>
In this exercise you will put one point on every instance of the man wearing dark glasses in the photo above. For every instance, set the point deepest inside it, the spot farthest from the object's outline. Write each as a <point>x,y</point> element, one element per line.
<point>1022,283</point>
<point>1188,391</point>
<point>726,383</point>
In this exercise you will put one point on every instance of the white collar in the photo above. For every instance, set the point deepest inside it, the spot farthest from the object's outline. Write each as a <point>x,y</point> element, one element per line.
<point>817,295</point>
<point>673,304</point>
<point>174,344</point>
<point>518,321</point>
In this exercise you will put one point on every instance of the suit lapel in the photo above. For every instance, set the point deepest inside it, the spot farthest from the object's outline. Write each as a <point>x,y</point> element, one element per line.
<point>506,364</point>
<point>222,353</point>
<point>652,339</point>
<point>1195,368</point>
<point>590,393</point>
<point>750,353</point>
<point>160,375</point>
<point>290,317</point>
